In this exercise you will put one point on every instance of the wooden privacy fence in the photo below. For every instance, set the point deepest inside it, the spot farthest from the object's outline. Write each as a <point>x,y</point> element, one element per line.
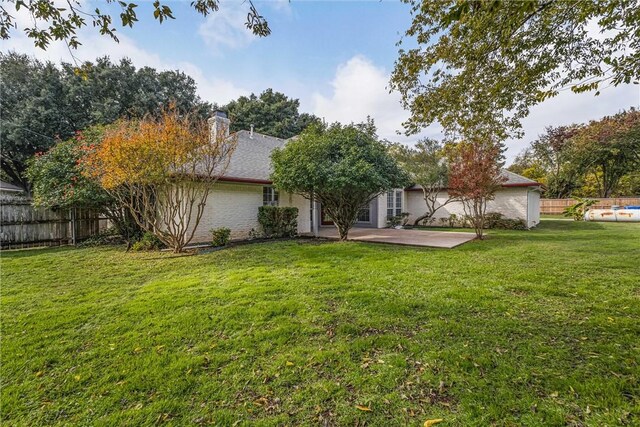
<point>22,225</point>
<point>557,206</point>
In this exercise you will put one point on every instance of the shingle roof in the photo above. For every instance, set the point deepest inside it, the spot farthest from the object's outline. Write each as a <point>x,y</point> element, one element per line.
<point>512,180</point>
<point>515,180</point>
<point>5,186</point>
<point>251,159</point>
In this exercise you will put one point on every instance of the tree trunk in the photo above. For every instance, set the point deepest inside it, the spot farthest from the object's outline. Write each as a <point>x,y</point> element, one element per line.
<point>417,221</point>
<point>343,231</point>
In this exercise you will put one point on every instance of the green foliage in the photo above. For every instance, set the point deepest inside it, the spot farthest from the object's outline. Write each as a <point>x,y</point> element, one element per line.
<point>453,221</point>
<point>425,162</point>
<point>398,220</point>
<point>57,179</point>
<point>278,221</point>
<point>343,167</point>
<point>427,166</point>
<point>32,101</point>
<point>578,209</point>
<point>110,236</point>
<point>63,23</point>
<point>597,159</point>
<point>486,63</point>
<point>42,103</point>
<point>271,113</point>
<point>148,242</point>
<point>496,220</point>
<point>539,325</point>
<point>609,149</point>
<point>220,236</point>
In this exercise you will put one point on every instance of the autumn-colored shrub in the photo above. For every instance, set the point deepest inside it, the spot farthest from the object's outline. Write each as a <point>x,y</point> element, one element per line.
<point>162,169</point>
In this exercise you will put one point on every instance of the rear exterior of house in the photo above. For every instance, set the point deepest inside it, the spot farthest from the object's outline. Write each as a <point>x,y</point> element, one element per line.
<point>519,198</point>
<point>234,199</point>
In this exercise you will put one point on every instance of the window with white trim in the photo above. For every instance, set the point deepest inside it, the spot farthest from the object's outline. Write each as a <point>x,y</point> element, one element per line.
<point>269,196</point>
<point>394,203</point>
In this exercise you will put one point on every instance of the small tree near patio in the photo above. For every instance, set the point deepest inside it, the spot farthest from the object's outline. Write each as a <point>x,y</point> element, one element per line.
<point>474,177</point>
<point>342,167</point>
<point>427,167</point>
<point>162,170</point>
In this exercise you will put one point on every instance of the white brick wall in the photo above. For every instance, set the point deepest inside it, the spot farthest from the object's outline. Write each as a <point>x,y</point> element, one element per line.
<point>511,202</point>
<point>235,206</point>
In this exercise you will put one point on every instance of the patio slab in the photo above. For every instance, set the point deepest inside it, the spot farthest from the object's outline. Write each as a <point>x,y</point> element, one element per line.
<point>434,239</point>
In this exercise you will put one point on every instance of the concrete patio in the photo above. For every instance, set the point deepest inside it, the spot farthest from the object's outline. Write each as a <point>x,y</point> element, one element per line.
<point>434,239</point>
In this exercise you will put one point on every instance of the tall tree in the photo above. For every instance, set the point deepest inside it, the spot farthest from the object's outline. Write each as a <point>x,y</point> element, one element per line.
<point>428,168</point>
<point>487,62</point>
<point>596,159</point>
<point>40,102</point>
<point>554,150</point>
<point>271,113</point>
<point>474,177</point>
<point>162,169</point>
<point>609,149</point>
<point>528,165</point>
<point>32,112</point>
<point>55,21</point>
<point>342,167</point>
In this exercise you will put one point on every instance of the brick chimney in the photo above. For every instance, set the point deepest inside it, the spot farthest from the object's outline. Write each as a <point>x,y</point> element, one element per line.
<point>220,124</point>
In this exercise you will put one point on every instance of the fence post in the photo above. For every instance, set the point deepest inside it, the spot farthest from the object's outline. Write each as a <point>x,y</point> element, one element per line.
<point>73,226</point>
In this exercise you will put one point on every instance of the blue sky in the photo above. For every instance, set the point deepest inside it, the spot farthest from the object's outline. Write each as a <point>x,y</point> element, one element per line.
<point>335,56</point>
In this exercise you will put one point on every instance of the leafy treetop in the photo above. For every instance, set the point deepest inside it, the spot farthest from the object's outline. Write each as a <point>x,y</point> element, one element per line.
<point>57,176</point>
<point>41,102</point>
<point>483,64</point>
<point>271,113</point>
<point>343,167</point>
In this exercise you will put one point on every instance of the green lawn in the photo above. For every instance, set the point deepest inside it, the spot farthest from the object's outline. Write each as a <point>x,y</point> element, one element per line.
<point>537,328</point>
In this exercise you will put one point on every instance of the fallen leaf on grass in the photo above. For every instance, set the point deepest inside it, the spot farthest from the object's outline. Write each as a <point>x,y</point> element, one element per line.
<point>363,408</point>
<point>39,374</point>
<point>289,363</point>
<point>433,422</point>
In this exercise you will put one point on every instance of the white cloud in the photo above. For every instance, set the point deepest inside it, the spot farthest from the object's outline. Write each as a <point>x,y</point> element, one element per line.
<point>226,27</point>
<point>359,89</point>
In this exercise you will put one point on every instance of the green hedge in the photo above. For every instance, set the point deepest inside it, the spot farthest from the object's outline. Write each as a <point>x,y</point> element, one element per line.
<point>278,221</point>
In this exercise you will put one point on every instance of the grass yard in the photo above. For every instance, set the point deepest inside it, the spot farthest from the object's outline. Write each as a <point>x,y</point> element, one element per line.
<point>536,328</point>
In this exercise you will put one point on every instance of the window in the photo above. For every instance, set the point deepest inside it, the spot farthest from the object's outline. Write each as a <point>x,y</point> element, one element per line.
<point>394,203</point>
<point>364,215</point>
<point>269,196</point>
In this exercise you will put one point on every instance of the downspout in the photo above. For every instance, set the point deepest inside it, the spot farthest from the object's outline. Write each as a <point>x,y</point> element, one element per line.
<point>314,215</point>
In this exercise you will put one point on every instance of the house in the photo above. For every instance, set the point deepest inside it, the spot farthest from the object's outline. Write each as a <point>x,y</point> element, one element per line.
<point>519,198</point>
<point>234,200</point>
